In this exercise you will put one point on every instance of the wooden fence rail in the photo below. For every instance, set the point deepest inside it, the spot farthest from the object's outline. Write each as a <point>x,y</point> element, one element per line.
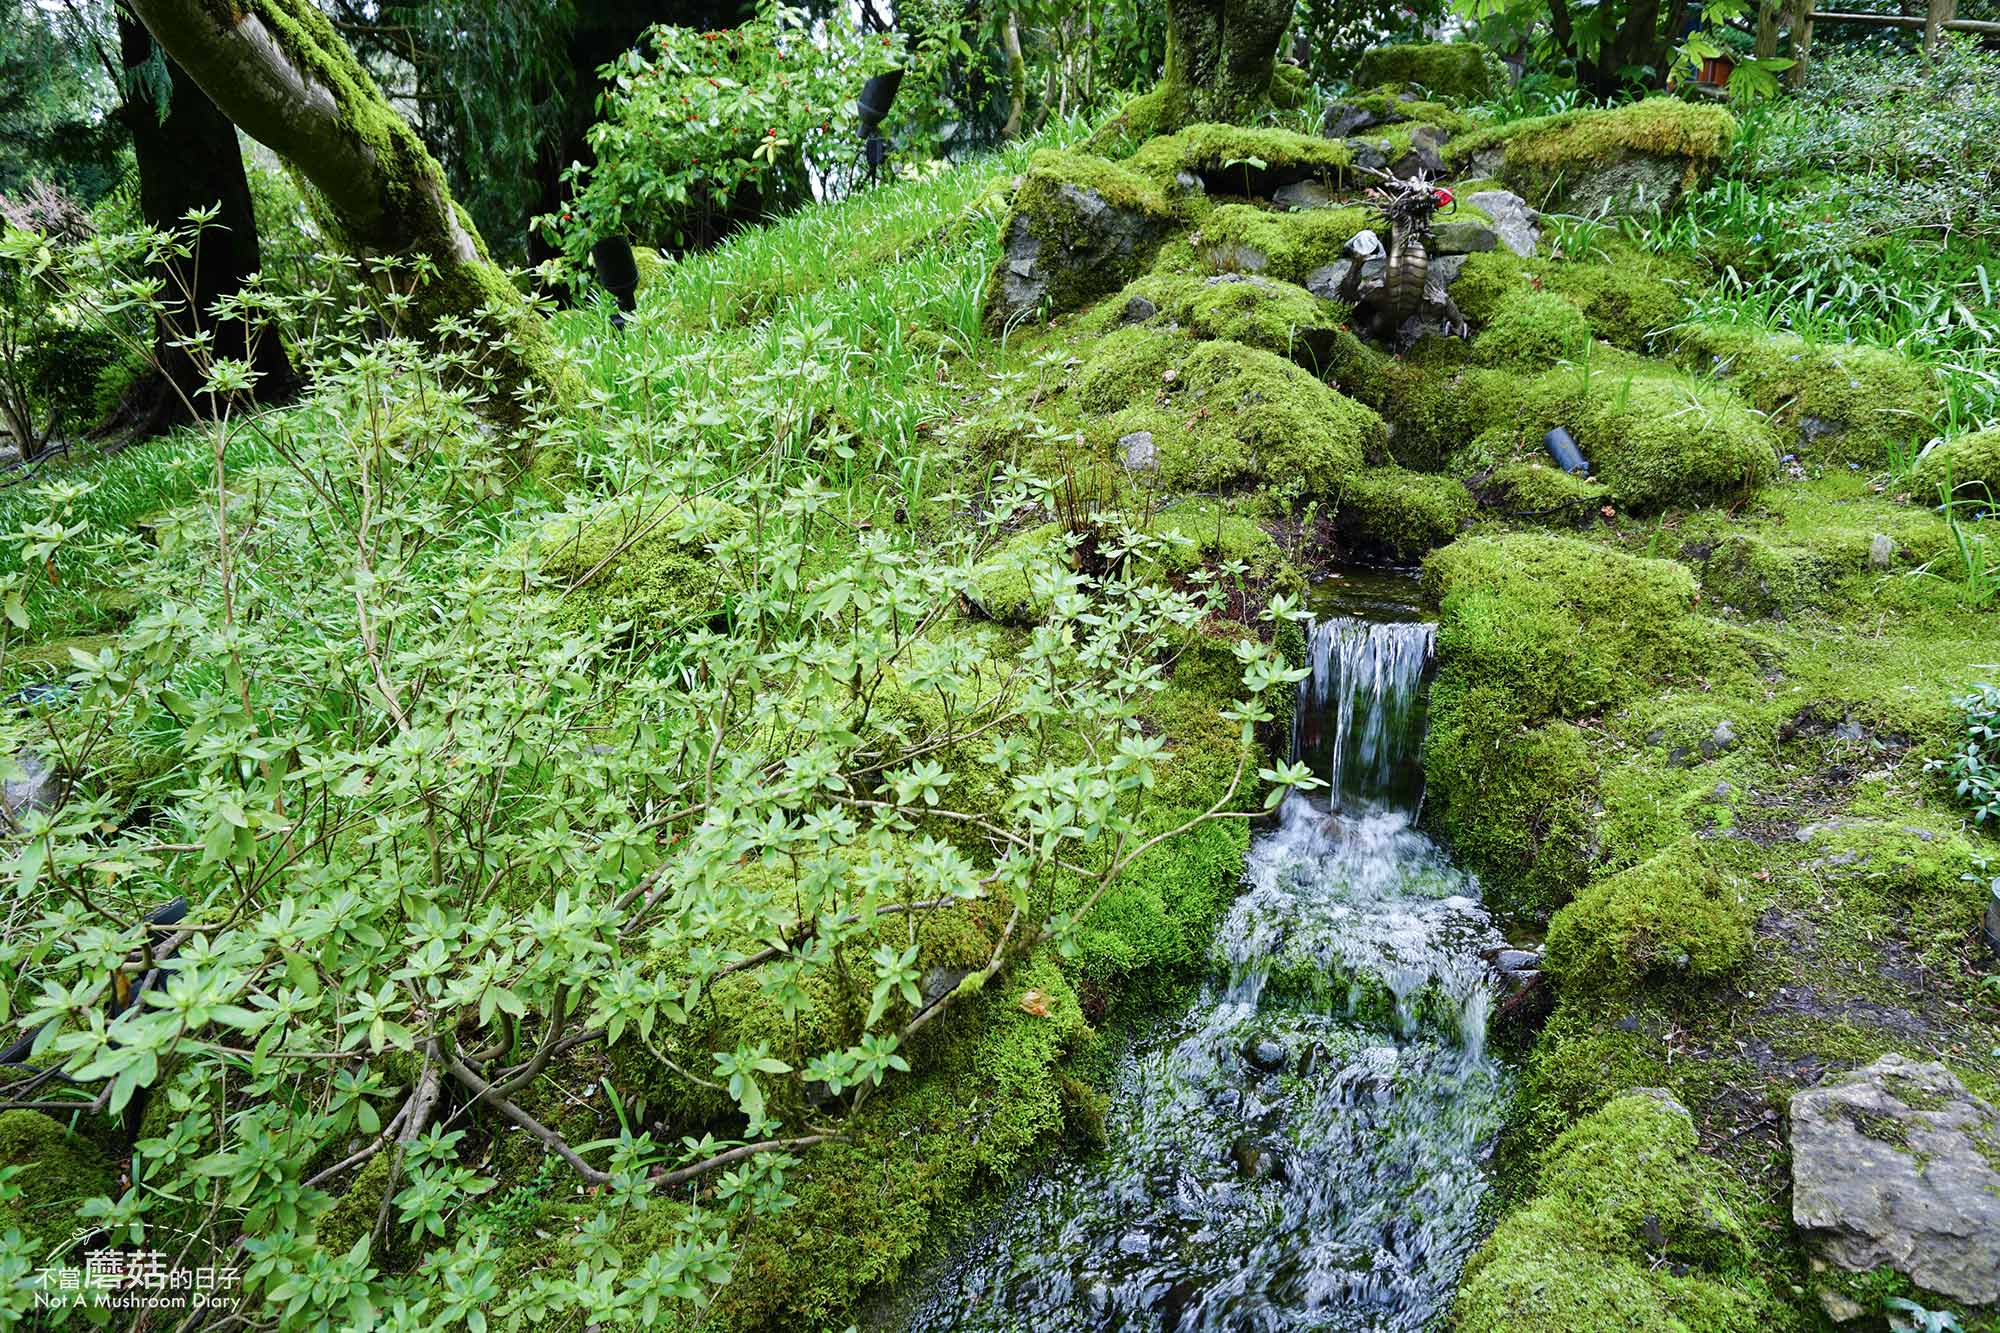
<point>1940,16</point>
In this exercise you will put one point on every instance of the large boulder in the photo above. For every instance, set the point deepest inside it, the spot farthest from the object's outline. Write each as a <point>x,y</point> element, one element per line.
<point>1081,227</point>
<point>1443,69</point>
<point>1601,162</point>
<point>1897,1165</point>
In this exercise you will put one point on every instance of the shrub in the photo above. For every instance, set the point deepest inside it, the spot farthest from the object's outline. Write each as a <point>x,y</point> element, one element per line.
<point>1974,768</point>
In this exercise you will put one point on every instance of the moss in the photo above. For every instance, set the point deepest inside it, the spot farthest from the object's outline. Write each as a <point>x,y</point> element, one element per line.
<point>1044,206</point>
<point>1207,533</point>
<point>1239,238</point>
<point>1238,159</point>
<point>1264,313</point>
<point>1969,466</point>
<point>1833,403</point>
<point>1439,408</point>
<point>1487,281</point>
<point>1674,916</point>
<point>1003,585</point>
<point>1655,438</point>
<point>1142,118</point>
<point>1447,69</point>
<point>1391,108</point>
<point>1631,1227</point>
<point>1533,627</point>
<point>1531,487</point>
<point>1128,367</point>
<point>655,567</point>
<point>1256,418</point>
<point>57,1173</point>
<point>1532,330</point>
<point>1628,295</point>
<point>1400,513</point>
<point>1658,126</point>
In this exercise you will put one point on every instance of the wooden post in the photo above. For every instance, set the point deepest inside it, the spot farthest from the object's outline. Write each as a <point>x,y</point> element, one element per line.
<point>1767,29</point>
<point>1802,26</point>
<point>1939,12</point>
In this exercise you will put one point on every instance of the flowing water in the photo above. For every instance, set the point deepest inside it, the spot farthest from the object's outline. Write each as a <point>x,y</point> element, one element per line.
<point>1304,1147</point>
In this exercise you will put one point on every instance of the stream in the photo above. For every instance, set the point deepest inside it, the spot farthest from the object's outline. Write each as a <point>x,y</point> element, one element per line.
<point>1304,1146</point>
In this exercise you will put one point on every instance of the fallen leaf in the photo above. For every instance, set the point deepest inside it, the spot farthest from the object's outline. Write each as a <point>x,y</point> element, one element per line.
<point>1036,1002</point>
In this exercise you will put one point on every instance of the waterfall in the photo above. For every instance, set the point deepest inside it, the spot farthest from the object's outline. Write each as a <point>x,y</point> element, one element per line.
<point>1303,1147</point>
<point>1360,715</point>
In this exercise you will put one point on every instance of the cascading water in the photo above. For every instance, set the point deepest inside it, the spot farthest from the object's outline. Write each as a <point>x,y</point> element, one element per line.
<point>1303,1147</point>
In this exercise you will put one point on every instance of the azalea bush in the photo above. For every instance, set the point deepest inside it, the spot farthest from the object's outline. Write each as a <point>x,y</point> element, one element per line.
<point>453,802</point>
<point>703,130</point>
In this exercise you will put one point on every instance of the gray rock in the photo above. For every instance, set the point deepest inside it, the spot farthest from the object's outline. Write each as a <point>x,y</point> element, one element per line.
<point>1342,119</point>
<point>1625,186</point>
<point>1445,269</point>
<point>1466,236</point>
<point>1266,1053</point>
<point>1423,155</point>
<point>1882,551</point>
<point>1328,281</point>
<point>1364,245</point>
<point>1235,257</point>
<point>1137,311</point>
<point>1898,1165</point>
<point>1138,451</point>
<point>1094,236</point>
<point>1301,195</point>
<point>1369,154</point>
<point>940,982</point>
<point>35,789</point>
<point>1519,226</point>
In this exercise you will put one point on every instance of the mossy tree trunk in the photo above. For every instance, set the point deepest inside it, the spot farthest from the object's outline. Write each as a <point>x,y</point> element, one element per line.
<point>1220,57</point>
<point>278,69</point>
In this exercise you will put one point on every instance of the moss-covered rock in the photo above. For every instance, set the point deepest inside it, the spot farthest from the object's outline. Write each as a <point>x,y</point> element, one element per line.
<point>1128,366</point>
<point>1968,467</point>
<point>1532,330</point>
<point>1534,627</point>
<point>1255,418</point>
<point>1081,227</point>
<point>1004,585</point>
<point>56,1172</point>
<point>1834,403</point>
<point>1602,161</point>
<point>1629,295</point>
<point>1445,69</point>
<point>654,566</point>
<point>1672,917</point>
<point>1532,488</point>
<point>1659,439</point>
<point>1241,238</point>
<point>1631,1227</point>
<point>1251,309</point>
<point>1402,514</point>
<point>1241,160</point>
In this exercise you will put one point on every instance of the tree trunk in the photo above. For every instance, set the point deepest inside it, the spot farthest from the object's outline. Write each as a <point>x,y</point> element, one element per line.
<point>190,159</point>
<point>1220,57</point>
<point>277,68</point>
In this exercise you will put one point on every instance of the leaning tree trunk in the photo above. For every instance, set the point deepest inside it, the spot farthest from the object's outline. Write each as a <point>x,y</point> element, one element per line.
<point>278,69</point>
<point>1220,57</point>
<point>189,159</point>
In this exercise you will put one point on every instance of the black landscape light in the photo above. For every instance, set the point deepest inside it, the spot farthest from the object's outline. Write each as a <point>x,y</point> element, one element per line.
<point>1562,447</point>
<point>618,271</point>
<point>877,96</point>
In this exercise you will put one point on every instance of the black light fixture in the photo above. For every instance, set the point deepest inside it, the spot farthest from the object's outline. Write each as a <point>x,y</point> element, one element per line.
<point>877,96</point>
<point>618,271</point>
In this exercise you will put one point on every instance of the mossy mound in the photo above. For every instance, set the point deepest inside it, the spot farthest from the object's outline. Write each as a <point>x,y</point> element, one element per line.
<point>1535,629</point>
<point>1837,403</point>
<point>1005,585</point>
<point>1532,330</point>
<point>1444,69</point>
<point>1251,309</point>
<point>1241,238</point>
<point>1240,160</point>
<point>57,1173</point>
<point>1255,418</point>
<point>1531,488</point>
<point>1672,917</point>
<point>1657,439</point>
<point>653,566</point>
<point>1969,467</point>
<point>1795,555</point>
<point>1629,296</point>
<point>1206,533</point>
<point>1611,160</point>
<point>1129,365</point>
<point>1630,1228</point>
<point>1402,514</point>
<point>1564,626</point>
